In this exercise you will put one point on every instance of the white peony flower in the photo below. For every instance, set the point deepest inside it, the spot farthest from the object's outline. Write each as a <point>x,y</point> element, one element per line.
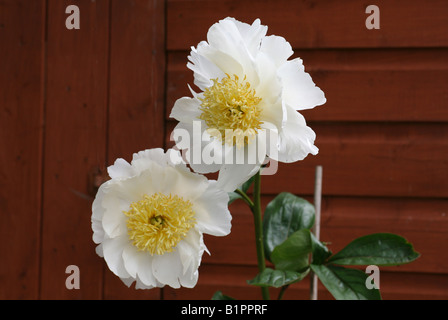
<point>249,88</point>
<point>149,219</point>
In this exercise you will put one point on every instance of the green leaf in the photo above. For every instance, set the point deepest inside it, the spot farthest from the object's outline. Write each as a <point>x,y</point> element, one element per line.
<point>320,251</point>
<point>344,283</point>
<point>381,249</point>
<point>277,278</point>
<point>283,216</point>
<point>220,296</point>
<point>293,253</point>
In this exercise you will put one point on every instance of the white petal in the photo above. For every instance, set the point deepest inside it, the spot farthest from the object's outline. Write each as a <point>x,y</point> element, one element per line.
<point>299,90</point>
<point>156,154</point>
<point>212,213</point>
<point>269,87</point>
<point>225,38</point>
<point>128,281</point>
<point>144,160</point>
<point>174,159</point>
<point>186,109</point>
<point>97,215</point>
<point>113,254</point>
<point>242,165</point>
<point>121,169</point>
<point>132,258</point>
<point>99,250</point>
<point>98,231</point>
<point>251,34</point>
<point>167,268</point>
<point>187,184</point>
<point>115,201</point>
<point>296,139</point>
<point>223,61</point>
<point>269,134</point>
<point>190,250</point>
<point>231,176</point>
<point>204,69</point>
<point>189,279</point>
<point>277,48</point>
<point>140,285</point>
<point>192,138</point>
<point>139,265</point>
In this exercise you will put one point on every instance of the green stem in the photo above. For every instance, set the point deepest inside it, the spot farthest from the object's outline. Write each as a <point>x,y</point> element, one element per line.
<point>256,209</point>
<point>245,198</point>
<point>282,292</point>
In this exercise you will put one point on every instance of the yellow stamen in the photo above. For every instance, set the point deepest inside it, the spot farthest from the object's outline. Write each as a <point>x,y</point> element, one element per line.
<point>157,223</point>
<point>231,110</point>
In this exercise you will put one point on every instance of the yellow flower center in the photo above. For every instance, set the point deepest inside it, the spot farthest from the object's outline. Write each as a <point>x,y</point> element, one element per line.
<point>231,111</point>
<point>157,223</point>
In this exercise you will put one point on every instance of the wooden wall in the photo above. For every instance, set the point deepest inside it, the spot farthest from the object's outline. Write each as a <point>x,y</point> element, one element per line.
<point>71,101</point>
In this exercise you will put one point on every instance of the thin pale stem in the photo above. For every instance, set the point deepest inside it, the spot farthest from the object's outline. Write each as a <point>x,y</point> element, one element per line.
<point>256,209</point>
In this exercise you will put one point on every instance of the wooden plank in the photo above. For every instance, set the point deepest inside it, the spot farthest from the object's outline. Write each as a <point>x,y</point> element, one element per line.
<point>137,88</point>
<point>369,159</point>
<point>231,280</point>
<point>423,222</point>
<point>360,85</point>
<point>313,24</point>
<point>22,30</point>
<point>77,64</point>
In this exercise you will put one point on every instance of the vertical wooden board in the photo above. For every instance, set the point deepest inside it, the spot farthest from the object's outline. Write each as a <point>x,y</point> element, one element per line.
<point>137,77</point>
<point>75,140</point>
<point>22,25</point>
<point>137,88</point>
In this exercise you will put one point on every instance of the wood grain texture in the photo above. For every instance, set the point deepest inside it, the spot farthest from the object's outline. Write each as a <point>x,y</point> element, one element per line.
<point>75,143</point>
<point>72,101</point>
<point>382,133</point>
<point>231,280</point>
<point>373,159</point>
<point>316,24</point>
<point>21,137</point>
<point>136,95</point>
<point>422,222</point>
<point>360,85</point>
<point>137,77</point>
<point>369,159</point>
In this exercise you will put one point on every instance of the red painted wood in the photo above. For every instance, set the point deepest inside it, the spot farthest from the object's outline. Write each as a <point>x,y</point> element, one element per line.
<point>136,107</point>
<point>76,97</point>
<point>316,24</point>
<point>422,222</point>
<point>21,136</point>
<point>73,101</point>
<point>231,280</point>
<point>360,85</point>
<point>369,159</point>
